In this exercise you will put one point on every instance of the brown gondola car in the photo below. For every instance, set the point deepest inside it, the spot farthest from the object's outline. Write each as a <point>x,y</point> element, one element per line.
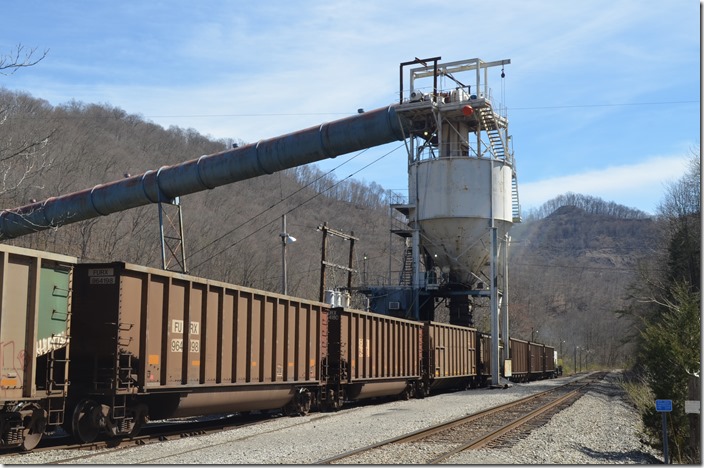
<point>451,355</point>
<point>162,344</point>
<point>35,321</point>
<point>148,343</point>
<point>536,363</point>
<point>550,362</point>
<point>483,359</point>
<point>519,353</point>
<point>372,355</point>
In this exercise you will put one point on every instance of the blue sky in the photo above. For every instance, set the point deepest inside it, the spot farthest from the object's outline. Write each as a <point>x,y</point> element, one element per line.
<point>603,97</point>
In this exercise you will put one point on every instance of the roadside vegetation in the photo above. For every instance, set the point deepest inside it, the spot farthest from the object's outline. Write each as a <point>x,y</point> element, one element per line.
<point>666,303</point>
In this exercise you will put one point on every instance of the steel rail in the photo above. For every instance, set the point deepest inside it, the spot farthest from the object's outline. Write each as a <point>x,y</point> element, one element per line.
<point>480,442</point>
<point>428,431</point>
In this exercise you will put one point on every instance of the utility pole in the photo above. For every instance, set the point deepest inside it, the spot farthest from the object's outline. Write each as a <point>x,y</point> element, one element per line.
<point>285,239</point>
<point>324,263</point>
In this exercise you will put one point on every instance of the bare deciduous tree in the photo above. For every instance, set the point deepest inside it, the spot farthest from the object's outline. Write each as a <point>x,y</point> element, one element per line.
<point>20,57</point>
<point>24,144</point>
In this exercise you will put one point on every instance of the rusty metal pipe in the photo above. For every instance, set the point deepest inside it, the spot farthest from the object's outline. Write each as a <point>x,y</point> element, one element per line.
<point>328,140</point>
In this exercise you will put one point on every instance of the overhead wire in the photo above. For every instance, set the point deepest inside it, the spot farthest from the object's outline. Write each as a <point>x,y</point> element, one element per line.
<point>292,209</point>
<point>277,203</point>
<point>297,114</point>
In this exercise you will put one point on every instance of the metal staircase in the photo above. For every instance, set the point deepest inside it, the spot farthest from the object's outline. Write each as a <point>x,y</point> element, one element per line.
<point>495,127</point>
<point>406,278</point>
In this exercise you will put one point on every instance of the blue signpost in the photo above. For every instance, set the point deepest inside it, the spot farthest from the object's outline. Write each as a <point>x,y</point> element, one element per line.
<point>664,407</point>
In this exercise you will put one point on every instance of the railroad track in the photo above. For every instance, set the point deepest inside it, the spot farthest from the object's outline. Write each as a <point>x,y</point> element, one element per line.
<point>503,424</point>
<point>151,433</point>
<point>159,432</point>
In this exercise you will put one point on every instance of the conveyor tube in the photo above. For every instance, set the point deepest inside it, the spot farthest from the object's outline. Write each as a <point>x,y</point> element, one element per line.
<point>328,140</point>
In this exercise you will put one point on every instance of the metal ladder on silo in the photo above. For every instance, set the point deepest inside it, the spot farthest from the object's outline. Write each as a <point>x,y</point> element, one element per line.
<point>515,205</point>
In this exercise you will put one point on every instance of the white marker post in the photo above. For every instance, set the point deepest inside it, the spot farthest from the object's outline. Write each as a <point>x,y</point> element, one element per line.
<point>664,407</point>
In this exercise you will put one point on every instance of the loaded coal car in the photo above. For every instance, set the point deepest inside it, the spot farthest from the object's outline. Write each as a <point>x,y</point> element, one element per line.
<point>550,368</point>
<point>156,344</point>
<point>542,362</point>
<point>519,353</point>
<point>531,361</point>
<point>35,321</point>
<point>536,361</point>
<point>484,359</point>
<point>451,356</point>
<point>372,355</point>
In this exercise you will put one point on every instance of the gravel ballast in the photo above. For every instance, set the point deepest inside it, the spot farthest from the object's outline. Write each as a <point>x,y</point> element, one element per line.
<point>600,428</point>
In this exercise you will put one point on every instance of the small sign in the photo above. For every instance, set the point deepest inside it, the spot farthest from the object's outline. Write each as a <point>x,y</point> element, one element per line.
<point>508,370</point>
<point>692,407</point>
<point>101,275</point>
<point>101,272</point>
<point>102,280</point>
<point>663,406</point>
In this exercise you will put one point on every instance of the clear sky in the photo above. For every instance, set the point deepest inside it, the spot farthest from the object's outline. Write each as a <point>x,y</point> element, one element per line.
<point>603,96</point>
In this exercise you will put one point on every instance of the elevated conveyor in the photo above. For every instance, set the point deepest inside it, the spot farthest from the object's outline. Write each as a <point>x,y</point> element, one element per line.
<point>328,140</point>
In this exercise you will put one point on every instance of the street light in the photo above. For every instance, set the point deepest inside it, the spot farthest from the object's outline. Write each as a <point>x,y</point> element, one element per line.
<point>285,240</point>
<point>533,332</point>
<point>580,358</point>
<point>560,358</point>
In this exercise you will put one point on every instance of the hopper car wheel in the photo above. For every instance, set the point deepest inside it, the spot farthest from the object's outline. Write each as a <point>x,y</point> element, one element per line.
<point>333,401</point>
<point>407,393</point>
<point>301,403</point>
<point>421,390</point>
<point>139,418</point>
<point>85,424</point>
<point>34,427</point>
<point>304,400</point>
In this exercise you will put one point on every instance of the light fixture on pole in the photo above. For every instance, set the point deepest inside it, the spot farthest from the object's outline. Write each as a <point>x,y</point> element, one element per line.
<point>285,239</point>
<point>533,332</point>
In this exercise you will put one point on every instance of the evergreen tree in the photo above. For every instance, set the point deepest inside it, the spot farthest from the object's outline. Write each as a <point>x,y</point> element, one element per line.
<point>670,309</point>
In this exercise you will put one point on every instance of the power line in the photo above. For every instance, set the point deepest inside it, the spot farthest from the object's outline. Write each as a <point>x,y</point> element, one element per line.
<point>277,203</point>
<point>298,114</point>
<point>575,267</point>
<point>620,104</point>
<point>575,106</point>
<point>297,206</point>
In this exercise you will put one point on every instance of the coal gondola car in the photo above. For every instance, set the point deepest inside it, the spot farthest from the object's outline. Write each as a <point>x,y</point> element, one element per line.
<point>550,369</point>
<point>484,359</point>
<point>372,355</point>
<point>159,344</point>
<point>519,353</point>
<point>35,321</point>
<point>148,343</point>
<point>450,352</point>
<point>531,361</point>
<point>542,361</point>
<point>536,361</point>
